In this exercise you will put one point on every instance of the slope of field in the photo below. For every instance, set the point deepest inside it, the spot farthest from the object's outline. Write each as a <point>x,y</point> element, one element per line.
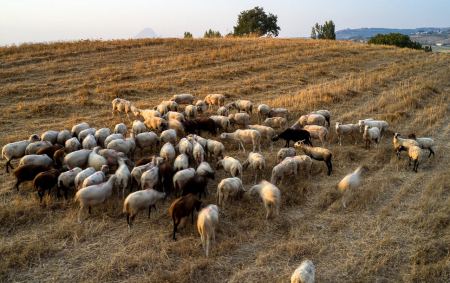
<point>396,227</point>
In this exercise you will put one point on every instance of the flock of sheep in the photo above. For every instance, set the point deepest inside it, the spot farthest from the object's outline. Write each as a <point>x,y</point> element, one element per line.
<point>95,163</point>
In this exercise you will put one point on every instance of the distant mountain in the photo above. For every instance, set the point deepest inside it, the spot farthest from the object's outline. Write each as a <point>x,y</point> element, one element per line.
<point>146,33</point>
<point>366,33</point>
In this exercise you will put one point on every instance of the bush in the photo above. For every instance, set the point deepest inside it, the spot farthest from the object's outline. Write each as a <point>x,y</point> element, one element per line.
<point>187,34</point>
<point>212,34</point>
<point>396,39</point>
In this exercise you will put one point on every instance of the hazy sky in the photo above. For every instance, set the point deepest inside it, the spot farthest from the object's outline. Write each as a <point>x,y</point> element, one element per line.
<point>50,20</point>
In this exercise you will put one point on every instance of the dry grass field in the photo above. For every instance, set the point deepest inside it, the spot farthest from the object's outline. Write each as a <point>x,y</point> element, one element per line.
<point>395,228</point>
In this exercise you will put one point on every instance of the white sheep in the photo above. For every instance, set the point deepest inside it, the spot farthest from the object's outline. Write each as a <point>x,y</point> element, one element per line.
<point>285,152</point>
<point>94,195</point>
<point>36,159</point>
<point>72,144</point>
<point>267,133</point>
<point>148,113</point>
<point>172,115</point>
<point>229,188</point>
<point>96,178</point>
<point>240,119</point>
<point>126,146</point>
<point>167,152</point>
<point>304,163</point>
<point>140,200</point>
<point>82,175</point>
<point>278,112</point>
<point>424,143</point>
<point>66,179</point>
<point>181,177</point>
<point>121,106</point>
<point>198,152</point>
<point>184,98</point>
<point>305,273</point>
<point>371,135</point>
<point>121,128</point>
<point>162,108</point>
<point>185,146</point>
<point>312,119</point>
<point>230,165</point>
<point>147,140</point>
<point>156,123</point>
<point>204,169</point>
<point>244,105</point>
<point>270,195</point>
<point>207,222</point>
<point>16,150</point>
<point>324,113</point>
<point>223,111</point>
<point>214,149</point>
<point>112,137</point>
<point>317,132</point>
<point>76,129</point>
<point>287,167</point>
<point>169,135</point>
<point>215,99</point>
<point>77,158</point>
<point>201,106</point>
<point>276,122</point>
<point>222,122</point>
<point>63,136</point>
<point>415,154</point>
<point>89,142</point>
<point>346,130</point>
<point>33,147</point>
<point>317,153</point>
<point>101,135</point>
<point>84,133</point>
<point>198,139</point>
<point>380,124</point>
<point>150,178</point>
<point>263,112</point>
<point>96,160</point>
<point>171,105</point>
<point>177,126</point>
<point>351,182</point>
<point>137,172</point>
<point>123,175</point>
<point>257,163</point>
<point>50,136</point>
<point>181,162</point>
<point>244,136</point>
<point>138,127</point>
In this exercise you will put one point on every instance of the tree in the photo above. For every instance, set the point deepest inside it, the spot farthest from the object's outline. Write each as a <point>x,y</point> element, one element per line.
<point>396,39</point>
<point>325,31</point>
<point>211,34</point>
<point>256,21</point>
<point>187,34</point>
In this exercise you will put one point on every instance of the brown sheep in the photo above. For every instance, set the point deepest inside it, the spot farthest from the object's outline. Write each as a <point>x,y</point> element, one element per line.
<point>45,181</point>
<point>27,173</point>
<point>183,207</point>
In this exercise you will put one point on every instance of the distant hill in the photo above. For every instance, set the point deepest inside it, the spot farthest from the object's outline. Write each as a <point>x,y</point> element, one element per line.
<point>427,35</point>
<point>146,33</point>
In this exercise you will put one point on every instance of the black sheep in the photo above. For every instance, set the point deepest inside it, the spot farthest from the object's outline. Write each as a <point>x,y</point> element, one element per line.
<point>27,173</point>
<point>45,181</point>
<point>294,135</point>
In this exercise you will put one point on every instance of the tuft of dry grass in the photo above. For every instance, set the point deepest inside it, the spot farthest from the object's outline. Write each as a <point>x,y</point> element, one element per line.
<point>395,227</point>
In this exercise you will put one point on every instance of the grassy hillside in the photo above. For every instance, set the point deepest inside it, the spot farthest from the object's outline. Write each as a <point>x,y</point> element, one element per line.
<point>395,228</point>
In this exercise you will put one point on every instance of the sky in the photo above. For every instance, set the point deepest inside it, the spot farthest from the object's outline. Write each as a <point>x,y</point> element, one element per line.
<point>55,20</point>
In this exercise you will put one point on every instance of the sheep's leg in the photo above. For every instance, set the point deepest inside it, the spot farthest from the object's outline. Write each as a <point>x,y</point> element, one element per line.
<point>329,166</point>
<point>89,209</point>
<point>17,184</point>
<point>287,143</point>
<point>207,245</point>
<point>79,213</point>
<point>149,211</point>
<point>128,221</point>
<point>192,217</point>
<point>416,165</point>
<point>431,152</point>
<point>8,164</point>
<point>175,225</point>
<point>256,176</point>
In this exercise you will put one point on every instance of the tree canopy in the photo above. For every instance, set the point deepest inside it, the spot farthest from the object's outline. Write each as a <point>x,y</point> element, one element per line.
<point>325,31</point>
<point>256,21</point>
<point>211,34</point>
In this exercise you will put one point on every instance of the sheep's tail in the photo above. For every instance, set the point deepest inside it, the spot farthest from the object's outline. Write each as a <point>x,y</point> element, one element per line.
<point>77,196</point>
<point>126,205</point>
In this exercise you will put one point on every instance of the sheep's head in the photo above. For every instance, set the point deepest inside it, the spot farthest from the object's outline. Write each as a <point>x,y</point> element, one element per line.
<point>105,168</point>
<point>299,144</point>
<point>34,138</point>
<point>275,138</point>
<point>223,136</point>
<point>412,136</point>
<point>219,164</point>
